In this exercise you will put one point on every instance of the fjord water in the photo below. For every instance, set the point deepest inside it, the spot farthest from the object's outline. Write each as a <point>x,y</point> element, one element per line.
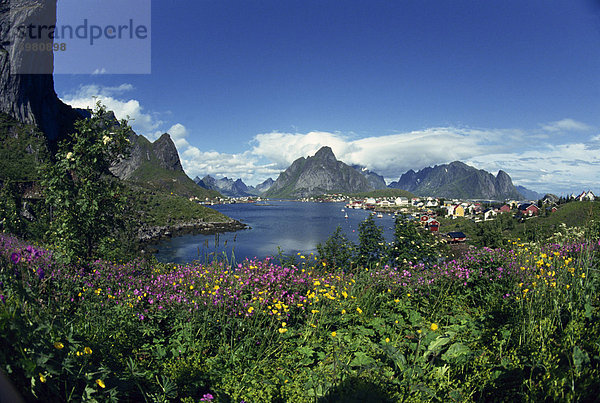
<point>293,227</point>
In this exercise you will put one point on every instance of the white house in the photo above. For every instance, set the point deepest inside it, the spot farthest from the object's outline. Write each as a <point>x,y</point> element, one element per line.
<point>401,201</point>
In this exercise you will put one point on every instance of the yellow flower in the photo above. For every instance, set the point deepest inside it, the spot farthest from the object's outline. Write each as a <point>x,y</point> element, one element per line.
<point>359,310</point>
<point>191,287</point>
<point>434,326</point>
<point>283,324</point>
<point>250,309</point>
<point>582,275</point>
<point>282,330</point>
<point>387,339</point>
<point>87,350</point>
<point>42,378</point>
<point>343,311</point>
<point>314,311</point>
<point>333,334</point>
<point>419,331</point>
<point>58,345</point>
<point>100,383</point>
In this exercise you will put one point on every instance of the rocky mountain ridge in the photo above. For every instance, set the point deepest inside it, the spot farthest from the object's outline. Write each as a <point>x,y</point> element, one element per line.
<point>233,188</point>
<point>319,174</point>
<point>458,180</point>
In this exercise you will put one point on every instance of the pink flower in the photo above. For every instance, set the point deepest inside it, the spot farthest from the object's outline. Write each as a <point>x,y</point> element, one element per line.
<point>15,257</point>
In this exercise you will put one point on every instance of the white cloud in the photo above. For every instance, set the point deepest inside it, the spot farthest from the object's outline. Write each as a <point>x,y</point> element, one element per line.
<point>88,95</point>
<point>565,125</point>
<point>245,165</point>
<point>561,169</point>
<point>178,134</point>
<point>539,165</point>
<point>99,71</point>
<point>389,155</point>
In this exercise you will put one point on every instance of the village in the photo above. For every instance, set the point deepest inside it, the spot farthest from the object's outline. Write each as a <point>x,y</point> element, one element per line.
<point>428,210</point>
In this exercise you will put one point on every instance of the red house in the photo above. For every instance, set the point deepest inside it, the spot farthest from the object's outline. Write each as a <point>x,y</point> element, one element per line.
<point>456,237</point>
<point>432,225</point>
<point>504,209</point>
<point>529,209</point>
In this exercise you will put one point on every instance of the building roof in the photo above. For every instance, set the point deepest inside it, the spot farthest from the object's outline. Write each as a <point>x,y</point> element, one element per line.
<point>457,234</point>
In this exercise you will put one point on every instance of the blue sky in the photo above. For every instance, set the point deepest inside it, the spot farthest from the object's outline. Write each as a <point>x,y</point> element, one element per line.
<point>246,87</point>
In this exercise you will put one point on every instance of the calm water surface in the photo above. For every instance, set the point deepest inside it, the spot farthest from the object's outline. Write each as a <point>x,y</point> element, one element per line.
<point>290,226</point>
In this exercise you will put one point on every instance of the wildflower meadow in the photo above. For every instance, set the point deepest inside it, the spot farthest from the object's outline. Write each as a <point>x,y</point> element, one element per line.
<point>518,323</point>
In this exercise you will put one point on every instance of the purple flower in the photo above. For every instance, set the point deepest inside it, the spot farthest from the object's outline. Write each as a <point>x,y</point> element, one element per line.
<point>15,257</point>
<point>207,397</point>
<point>40,273</point>
<point>2,298</point>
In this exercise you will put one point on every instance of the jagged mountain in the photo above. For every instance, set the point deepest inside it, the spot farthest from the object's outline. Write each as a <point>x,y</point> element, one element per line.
<point>375,180</point>
<point>458,180</point>
<point>321,173</point>
<point>161,154</point>
<point>263,187</point>
<point>157,166</point>
<point>529,194</point>
<point>225,186</point>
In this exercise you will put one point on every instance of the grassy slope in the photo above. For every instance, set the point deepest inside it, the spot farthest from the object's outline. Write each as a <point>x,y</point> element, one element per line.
<point>158,208</point>
<point>155,178</point>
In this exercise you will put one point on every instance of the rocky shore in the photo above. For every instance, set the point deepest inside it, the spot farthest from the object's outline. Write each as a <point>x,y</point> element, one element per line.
<point>149,234</point>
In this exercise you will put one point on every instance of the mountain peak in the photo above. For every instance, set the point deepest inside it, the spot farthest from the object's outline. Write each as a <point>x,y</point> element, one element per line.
<point>325,152</point>
<point>316,175</point>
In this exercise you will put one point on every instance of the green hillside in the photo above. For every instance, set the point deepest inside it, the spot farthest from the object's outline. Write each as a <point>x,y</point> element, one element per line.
<point>573,214</point>
<point>154,178</point>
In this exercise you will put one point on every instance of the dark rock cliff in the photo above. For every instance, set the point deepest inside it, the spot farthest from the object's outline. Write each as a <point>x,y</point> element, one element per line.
<point>26,82</point>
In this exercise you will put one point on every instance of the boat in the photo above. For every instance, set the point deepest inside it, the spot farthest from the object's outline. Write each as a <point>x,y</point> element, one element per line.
<point>345,215</point>
<point>379,215</point>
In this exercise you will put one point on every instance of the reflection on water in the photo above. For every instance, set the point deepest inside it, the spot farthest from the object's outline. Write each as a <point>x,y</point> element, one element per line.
<point>291,227</point>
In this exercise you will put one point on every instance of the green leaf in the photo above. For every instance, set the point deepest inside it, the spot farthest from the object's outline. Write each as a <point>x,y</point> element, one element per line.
<point>580,357</point>
<point>436,345</point>
<point>457,352</point>
<point>307,351</point>
<point>361,359</point>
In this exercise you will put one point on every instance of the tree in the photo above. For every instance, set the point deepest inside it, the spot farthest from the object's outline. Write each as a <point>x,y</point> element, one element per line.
<point>337,250</point>
<point>371,243</point>
<point>412,244</point>
<point>85,200</point>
